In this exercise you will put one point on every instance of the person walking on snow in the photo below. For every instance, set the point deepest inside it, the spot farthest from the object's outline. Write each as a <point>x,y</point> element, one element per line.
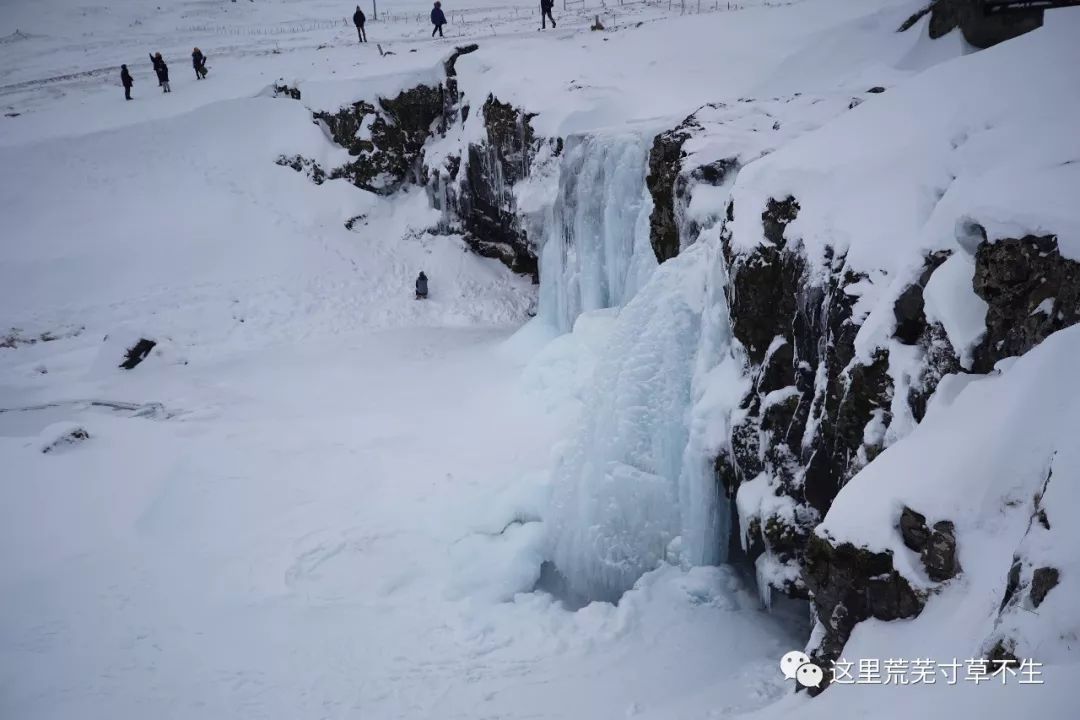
<point>438,19</point>
<point>421,286</point>
<point>359,20</point>
<point>125,78</point>
<point>198,61</point>
<point>162,71</point>
<point>545,14</point>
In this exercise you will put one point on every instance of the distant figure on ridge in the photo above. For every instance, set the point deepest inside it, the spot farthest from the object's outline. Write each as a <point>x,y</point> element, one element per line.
<point>198,61</point>
<point>358,20</point>
<point>125,78</point>
<point>162,71</point>
<point>438,19</point>
<point>421,286</point>
<point>545,14</point>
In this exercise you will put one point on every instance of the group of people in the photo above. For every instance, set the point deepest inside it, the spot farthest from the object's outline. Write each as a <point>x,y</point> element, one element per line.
<point>438,19</point>
<point>198,59</point>
<point>161,69</point>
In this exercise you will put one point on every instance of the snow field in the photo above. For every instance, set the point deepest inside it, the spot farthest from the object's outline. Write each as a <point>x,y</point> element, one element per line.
<point>319,497</point>
<point>316,496</point>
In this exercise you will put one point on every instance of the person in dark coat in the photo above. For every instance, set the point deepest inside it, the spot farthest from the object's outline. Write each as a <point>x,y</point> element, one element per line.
<point>198,61</point>
<point>421,286</point>
<point>438,19</point>
<point>162,71</point>
<point>156,59</point>
<point>545,14</point>
<point>125,78</point>
<point>358,20</point>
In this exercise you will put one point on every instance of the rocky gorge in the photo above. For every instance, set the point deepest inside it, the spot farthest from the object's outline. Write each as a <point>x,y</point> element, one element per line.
<point>839,358</point>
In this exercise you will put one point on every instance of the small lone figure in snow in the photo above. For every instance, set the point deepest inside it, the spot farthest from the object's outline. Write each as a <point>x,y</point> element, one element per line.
<point>438,19</point>
<point>545,14</point>
<point>162,71</point>
<point>421,286</point>
<point>358,20</point>
<point>125,78</point>
<point>198,61</point>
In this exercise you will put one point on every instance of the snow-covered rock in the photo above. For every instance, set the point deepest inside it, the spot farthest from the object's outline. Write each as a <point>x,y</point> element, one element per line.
<point>61,436</point>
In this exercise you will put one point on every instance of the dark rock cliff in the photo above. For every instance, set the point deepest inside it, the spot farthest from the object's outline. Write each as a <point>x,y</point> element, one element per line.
<point>978,27</point>
<point>817,412</point>
<point>1031,290</point>
<point>804,422</point>
<point>665,166</point>
<point>670,185</point>
<point>386,138</point>
<point>487,205</point>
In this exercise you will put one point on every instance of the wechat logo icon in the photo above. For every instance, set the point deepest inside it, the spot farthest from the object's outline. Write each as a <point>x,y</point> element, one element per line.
<point>796,666</point>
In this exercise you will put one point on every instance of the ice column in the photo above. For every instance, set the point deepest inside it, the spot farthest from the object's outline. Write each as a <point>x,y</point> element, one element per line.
<point>595,250</point>
<point>638,473</point>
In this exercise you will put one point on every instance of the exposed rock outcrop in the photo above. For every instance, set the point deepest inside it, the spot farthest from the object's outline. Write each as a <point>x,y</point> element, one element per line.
<point>386,139</point>
<point>282,89</point>
<point>665,165</point>
<point>386,136</point>
<point>815,415</point>
<point>979,28</point>
<point>475,192</point>
<point>819,410</point>
<point>1031,290</point>
<point>670,184</point>
<point>851,584</point>
<point>486,202</point>
<point>936,545</point>
<point>304,165</point>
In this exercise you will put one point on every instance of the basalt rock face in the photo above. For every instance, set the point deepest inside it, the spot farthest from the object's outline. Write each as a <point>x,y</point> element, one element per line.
<point>665,165</point>
<point>387,136</point>
<point>1031,290</point>
<point>979,28</point>
<point>670,182</point>
<point>473,189</point>
<point>851,584</point>
<point>815,414</point>
<point>936,545</point>
<point>486,203</point>
<point>819,409</point>
<point>386,139</point>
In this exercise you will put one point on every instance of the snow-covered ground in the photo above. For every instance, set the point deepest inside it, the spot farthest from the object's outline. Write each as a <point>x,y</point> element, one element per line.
<point>328,529</point>
<point>319,497</point>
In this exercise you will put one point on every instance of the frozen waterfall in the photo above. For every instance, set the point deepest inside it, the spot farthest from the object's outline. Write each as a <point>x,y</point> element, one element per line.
<point>636,485</point>
<point>595,250</point>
